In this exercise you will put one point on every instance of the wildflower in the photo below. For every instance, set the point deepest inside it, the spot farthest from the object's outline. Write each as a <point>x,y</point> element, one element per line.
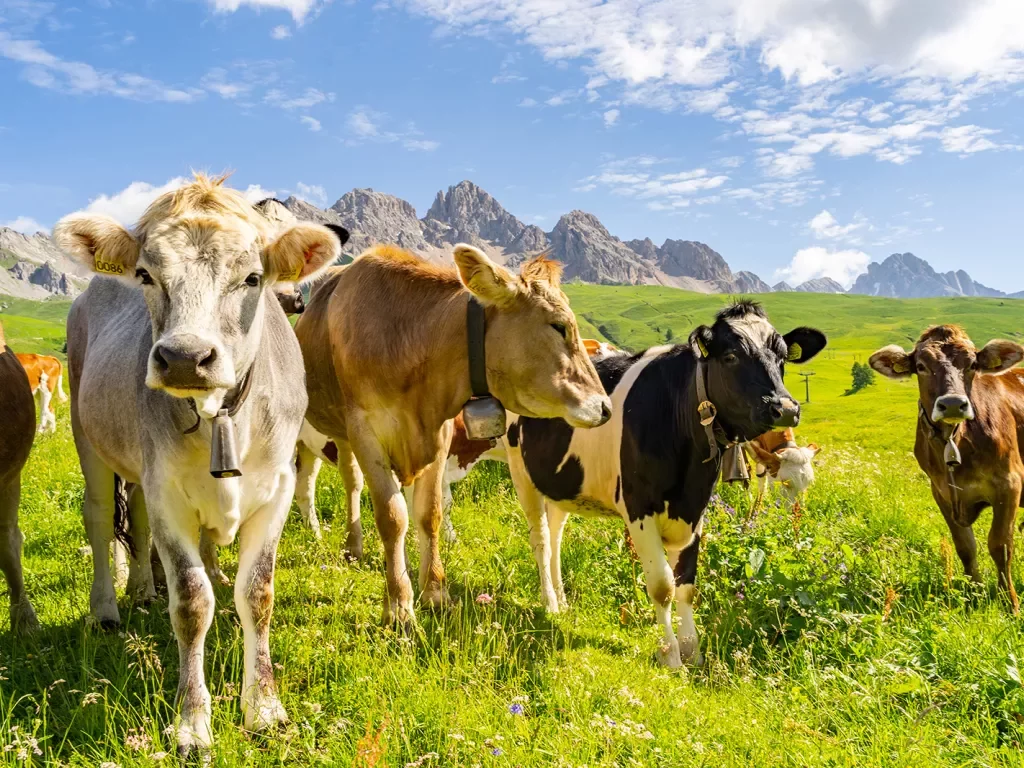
<point>516,709</point>
<point>90,698</point>
<point>484,599</point>
<point>137,740</point>
<point>419,761</point>
<point>158,756</point>
<point>497,752</point>
<point>740,595</point>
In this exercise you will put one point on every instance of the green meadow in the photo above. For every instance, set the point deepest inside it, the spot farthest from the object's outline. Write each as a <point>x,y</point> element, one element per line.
<point>842,634</point>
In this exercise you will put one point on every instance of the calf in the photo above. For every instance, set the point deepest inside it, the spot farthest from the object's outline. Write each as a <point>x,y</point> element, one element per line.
<point>969,423</point>
<point>779,459</point>
<point>46,377</point>
<point>388,367</point>
<point>17,430</point>
<point>183,339</point>
<point>655,463</point>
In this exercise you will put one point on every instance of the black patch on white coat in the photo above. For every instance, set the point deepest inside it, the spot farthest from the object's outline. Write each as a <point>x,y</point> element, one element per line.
<point>686,567</point>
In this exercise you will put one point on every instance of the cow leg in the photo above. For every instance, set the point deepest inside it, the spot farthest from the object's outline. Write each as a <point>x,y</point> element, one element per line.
<point>254,600</point>
<point>392,518</point>
<point>307,467</point>
<point>660,583</point>
<point>426,511</point>
<point>140,584</point>
<point>447,527</point>
<point>532,502</point>
<point>191,604</point>
<point>120,556</point>
<point>98,515</point>
<point>211,560</point>
<point>556,527</point>
<point>1000,541</point>
<point>23,617</point>
<point>352,476</point>
<point>47,420</point>
<point>685,570</point>
<point>963,539</point>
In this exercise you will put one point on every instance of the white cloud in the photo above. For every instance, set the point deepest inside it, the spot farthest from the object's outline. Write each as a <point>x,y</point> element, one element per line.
<point>254,193</point>
<point>967,139</point>
<point>26,225</point>
<point>632,177</point>
<point>280,32</point>
<point>611,117</point>
<point>809,263</point>
<point>826,227</point>
<point>366,124</point>
<point>309,98</point>
<point>311,122</point>
<point>528,102</point>
<point>507,72</point>
<point>216,81</point>
<point>128,205</point>
<point>46,70</point>
<point>299,9</point>
<point>313,193</point>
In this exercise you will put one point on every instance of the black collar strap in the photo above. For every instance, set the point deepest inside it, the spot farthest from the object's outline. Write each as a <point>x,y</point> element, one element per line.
<point>476,326</point>
<point>240,396</point>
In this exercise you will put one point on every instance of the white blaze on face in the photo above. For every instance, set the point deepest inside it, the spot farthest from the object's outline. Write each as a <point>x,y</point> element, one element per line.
<point>755,329</point>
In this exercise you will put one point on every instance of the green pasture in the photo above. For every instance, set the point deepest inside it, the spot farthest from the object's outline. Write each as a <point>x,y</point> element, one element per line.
<point>841,635</point>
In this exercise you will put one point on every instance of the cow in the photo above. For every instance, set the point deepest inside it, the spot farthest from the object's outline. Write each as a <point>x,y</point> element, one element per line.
<point>969,419</point>
<point>179,339</point>
<point>385,342</point>
<point>46,377</point>
<point>464,453</point>
<point>655,463</point>
<point>17,431</point>
<point>778,458</point>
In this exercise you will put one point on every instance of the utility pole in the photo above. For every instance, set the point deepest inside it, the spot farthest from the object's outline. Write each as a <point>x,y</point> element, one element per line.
<point>807,385</point>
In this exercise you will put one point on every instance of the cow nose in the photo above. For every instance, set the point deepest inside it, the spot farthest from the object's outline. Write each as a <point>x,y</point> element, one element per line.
<point>785,412</point>
<point>184,359</point>
<point>300,305</point>
<point>953,407</point>
<point>606,411</point>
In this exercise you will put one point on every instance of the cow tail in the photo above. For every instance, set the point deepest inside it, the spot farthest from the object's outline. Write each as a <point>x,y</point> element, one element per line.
<point>122,515</point>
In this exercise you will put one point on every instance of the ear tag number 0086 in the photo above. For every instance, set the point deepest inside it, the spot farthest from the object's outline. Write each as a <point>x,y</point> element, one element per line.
<point>103,267</point>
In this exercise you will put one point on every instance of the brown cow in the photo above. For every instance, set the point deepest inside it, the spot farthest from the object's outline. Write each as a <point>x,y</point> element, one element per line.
<point>17,430</point>
<point>778,458</point>
<point>46,377</point>
<point>387,369</point>
<point>968,423</point>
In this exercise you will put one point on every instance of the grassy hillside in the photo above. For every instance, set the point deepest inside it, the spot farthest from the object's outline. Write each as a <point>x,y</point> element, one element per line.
<point>842,635</point>
<point>34,326</point>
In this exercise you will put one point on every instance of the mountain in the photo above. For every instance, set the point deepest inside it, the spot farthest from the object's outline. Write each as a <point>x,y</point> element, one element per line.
<point>819,285</point>
<point>782,286</point>
<point>904,275</point>
<point>33,267</point>
<point>589,253</point>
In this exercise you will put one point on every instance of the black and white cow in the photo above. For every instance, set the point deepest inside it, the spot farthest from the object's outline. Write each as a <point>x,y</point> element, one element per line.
<point>650,463</point>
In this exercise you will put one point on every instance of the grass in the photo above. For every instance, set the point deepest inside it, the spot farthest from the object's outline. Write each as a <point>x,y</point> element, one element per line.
<point>840,636</point>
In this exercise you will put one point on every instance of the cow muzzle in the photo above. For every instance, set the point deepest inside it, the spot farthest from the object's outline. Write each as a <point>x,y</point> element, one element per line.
<point>292,303</point>
<point>595,411</point>
<point>952,409</point>
<point>784,412</point>
<point>187,364</point>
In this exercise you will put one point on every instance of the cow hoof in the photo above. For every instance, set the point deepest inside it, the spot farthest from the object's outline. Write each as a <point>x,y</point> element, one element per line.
<point>689,651</point>
<point>668,656</point>
<point>353,549</point>
<point>399,616</point>
<point>192,747</point>
<point>437,598</point>
<point>23,618</point>
<point>217,576</point>
<point>264,714</point>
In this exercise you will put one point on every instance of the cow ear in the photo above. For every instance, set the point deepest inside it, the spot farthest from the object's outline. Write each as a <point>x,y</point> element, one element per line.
<point>892,361</point>
<point>98,243</point>
<point>483,278</point>
<point>592,346</point>
<point>999,355</point>
<point>803,344</point>
<point>340,232</point>
<point>700,340</point>
<point>301,253</point>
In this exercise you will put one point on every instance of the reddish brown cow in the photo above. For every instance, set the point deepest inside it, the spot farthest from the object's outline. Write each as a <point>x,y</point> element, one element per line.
<point>46,377</point>
<point>967,443</point>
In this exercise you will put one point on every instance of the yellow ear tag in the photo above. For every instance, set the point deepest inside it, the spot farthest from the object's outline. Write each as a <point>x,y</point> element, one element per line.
<point>298,273</point>
<point>994,364</point>
<point>103,267</point>
<point>900,367</point>
<point>795,352</point>
<point>702,347</point>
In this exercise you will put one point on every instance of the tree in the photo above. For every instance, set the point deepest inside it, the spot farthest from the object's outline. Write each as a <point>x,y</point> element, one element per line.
<point>862,377</point>
<point>669,335</point>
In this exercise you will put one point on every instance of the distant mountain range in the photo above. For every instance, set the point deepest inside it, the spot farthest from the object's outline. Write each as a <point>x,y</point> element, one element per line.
<point>33,267</point>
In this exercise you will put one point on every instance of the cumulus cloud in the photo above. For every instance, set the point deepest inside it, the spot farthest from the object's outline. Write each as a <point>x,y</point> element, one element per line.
<point>299,9</point>
<point>809,263</point>
<point>128,205</point>
<point>311,122</point>
<point>368,125</point>
<point>313,193</point>
<point>611,117</point>
<point>254,193</point>
<point>280,32</point>
<point>26,225</point>
<point>826,227</point>
<point>308,98</point>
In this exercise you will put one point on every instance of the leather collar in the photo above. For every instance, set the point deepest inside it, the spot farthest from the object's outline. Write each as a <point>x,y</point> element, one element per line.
<point>476,328</point>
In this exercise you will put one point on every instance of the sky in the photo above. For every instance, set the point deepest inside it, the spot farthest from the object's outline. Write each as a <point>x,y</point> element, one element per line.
<point>799,138</point>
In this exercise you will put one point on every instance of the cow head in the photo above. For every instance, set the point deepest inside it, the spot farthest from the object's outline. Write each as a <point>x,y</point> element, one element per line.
<point>206,262</point>
<point>946,363</point>
<point>536,362</point>
<point>289,296</point>
<point>746,359</point>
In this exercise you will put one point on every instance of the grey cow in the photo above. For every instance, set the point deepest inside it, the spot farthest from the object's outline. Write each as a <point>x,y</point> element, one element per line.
<point>188,325</point>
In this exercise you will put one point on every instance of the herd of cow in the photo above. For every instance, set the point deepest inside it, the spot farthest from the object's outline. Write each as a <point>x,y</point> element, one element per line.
<point>198,412</point>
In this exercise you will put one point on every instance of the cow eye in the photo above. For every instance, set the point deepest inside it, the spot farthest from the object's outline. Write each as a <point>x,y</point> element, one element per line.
<point>144,276</point>
<point>729,358</point>
<point>253,280</point>
<point>560,328</point>
<point>921,368</point>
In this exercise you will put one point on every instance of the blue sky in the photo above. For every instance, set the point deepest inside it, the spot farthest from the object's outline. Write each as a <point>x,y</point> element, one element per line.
<point>798,138</point>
